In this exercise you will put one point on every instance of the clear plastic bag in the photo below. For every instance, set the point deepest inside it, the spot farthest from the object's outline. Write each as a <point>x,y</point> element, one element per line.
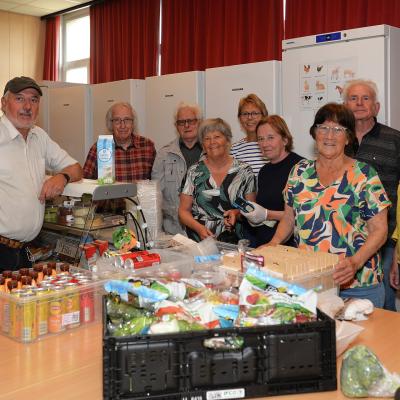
<point>363,375</point>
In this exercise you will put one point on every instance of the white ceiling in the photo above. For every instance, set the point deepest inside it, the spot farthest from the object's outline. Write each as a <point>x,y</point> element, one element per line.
<point>38,8</point>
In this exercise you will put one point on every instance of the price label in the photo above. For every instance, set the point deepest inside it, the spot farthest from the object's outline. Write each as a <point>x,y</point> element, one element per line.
<point>225,394</point>
<point>67,247</point>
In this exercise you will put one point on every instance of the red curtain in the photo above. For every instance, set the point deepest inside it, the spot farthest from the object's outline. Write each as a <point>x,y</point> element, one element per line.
<point>123,39</point>
<point>309,17</point>
<point>51,49</point>
<point>199,34</point>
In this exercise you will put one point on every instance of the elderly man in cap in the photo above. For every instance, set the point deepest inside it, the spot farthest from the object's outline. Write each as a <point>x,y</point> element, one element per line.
<point>26,152</point>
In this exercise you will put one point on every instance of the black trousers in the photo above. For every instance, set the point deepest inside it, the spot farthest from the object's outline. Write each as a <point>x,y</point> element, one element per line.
<point>13,259</point>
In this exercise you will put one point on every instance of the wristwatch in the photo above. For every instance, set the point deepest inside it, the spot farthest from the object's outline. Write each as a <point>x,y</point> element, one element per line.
<point>66,176</point>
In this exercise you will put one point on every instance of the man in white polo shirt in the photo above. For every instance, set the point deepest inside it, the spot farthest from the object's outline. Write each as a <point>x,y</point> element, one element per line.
<point>26,152</point>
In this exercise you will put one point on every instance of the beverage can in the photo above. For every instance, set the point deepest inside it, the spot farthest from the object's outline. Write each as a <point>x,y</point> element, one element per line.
<point>27,311</point>
<point>42,311</point>
<point>71,317</point>
<point>14,323</point>
<point>56,310</point>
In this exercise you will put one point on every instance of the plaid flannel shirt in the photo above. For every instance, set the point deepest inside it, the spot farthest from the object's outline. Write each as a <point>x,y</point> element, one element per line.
<point>132,164</point>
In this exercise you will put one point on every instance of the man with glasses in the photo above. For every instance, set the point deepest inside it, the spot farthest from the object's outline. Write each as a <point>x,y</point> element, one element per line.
<point>379,146</point>
<point>26,152</point>
<point>174,159</point>
<point>134,154</point>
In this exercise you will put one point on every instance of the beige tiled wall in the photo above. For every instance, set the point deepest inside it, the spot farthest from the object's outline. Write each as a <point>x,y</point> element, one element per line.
<point>21,46</point>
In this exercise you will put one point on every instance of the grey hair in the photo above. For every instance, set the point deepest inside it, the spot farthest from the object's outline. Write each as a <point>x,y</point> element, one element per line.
<point>5,96</point>
<point>130,108</point>
<point>194,107</point>
<point>215,124</point>
<point>368,83</point>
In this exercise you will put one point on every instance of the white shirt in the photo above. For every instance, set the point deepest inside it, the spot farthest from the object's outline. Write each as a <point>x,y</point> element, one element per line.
<point>22,172</point>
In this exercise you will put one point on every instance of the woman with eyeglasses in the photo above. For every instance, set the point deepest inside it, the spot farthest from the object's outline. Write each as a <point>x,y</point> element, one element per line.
<point>338,205</point>
<point>276,144</point>
<point>174,159</point>
<point>250,111</point>
<point>212,185</point>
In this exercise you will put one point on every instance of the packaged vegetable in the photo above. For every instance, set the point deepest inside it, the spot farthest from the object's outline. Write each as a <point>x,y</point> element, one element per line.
<point>265,300</point>
<point>363,375</point>
<point>124,239</point>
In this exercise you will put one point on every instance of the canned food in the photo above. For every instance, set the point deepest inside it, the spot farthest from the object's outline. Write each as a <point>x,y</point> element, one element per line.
<point>42,311</point>
<point>47,286</point>
<point>14,320</point>
<point>56,310</point>
<point>28,288</point>
<point>121,260</point>
<point>27,314</point>
<point>78,275</point>
<point>71,318</point>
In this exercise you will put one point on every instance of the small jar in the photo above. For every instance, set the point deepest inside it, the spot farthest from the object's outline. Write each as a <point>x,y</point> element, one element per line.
<point>51,214</point>
<point>65,215</point>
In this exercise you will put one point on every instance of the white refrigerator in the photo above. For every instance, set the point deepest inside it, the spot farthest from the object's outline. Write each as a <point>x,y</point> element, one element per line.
<point>43,117</point>
<point>70,119</point>
<point>163,94</point>
<point>315,68</point>
<point>225,86</point>
<point>104,95</point>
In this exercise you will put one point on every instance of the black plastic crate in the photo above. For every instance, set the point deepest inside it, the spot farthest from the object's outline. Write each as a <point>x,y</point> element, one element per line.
<point>274,360</point>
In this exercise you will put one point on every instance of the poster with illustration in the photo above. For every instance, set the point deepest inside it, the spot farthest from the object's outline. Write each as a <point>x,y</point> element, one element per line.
<point>323,82</point>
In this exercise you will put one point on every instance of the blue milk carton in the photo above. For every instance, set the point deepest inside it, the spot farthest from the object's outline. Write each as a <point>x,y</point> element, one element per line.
<point>105,159</point>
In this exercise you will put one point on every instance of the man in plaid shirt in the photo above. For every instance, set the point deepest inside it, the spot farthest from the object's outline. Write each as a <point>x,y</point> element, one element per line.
<point>134,154</point>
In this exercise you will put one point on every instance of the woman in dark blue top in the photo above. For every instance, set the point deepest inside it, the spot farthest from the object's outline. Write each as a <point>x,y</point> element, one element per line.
<point>276,144</point>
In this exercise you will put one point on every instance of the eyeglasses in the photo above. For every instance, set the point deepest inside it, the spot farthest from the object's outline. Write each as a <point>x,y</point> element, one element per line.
<point>325,129</point>
<point>119,121</point>
<point>183,122</point>
<point>252,114</point>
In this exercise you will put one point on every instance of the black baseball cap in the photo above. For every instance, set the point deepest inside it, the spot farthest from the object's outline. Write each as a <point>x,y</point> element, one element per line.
<point>20,83</point>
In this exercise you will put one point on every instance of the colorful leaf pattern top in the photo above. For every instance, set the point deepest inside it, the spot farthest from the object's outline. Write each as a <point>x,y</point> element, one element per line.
<point>210,201</point>
<point>334,218</point>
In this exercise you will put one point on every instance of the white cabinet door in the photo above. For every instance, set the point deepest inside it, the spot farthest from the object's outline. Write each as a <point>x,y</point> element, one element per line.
<point>69,119</point>
<point>104,95</point>
<point>163,94</point>
<point>225,86</point>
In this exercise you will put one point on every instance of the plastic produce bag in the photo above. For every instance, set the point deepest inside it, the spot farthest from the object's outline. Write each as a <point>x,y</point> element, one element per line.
<point>363,375</point>
<point>124,239</point>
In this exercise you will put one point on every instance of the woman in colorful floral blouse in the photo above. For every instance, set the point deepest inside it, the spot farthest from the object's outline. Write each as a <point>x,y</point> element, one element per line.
<point>213,184</point>
<point>338,205</point>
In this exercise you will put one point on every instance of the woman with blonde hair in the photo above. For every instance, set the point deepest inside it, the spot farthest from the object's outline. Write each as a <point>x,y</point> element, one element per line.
<point>250,111</point>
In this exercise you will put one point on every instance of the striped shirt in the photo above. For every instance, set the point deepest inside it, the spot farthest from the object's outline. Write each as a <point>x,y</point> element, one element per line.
<point>250,153</point>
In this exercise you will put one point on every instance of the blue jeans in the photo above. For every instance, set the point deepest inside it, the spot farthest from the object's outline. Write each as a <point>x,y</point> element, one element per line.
<point>375,293</point>
<point>390,293</point>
